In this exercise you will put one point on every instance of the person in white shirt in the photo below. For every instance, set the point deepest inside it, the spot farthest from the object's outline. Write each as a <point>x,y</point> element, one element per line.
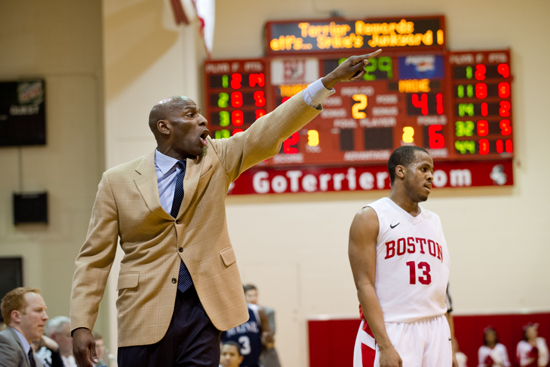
<point>59,329</point>
<point>532,351</point>
<point>492,353</point>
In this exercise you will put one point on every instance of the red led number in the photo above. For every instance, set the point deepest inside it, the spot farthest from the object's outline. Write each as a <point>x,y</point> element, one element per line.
<point>482,128</point>
<point>439,100</point>
<point>425,278</point>
<point>237,118</point>
<point>504,109</point>
<point>480,72</point>
<point>505,127</point>
<point>236,80</point>
<point>236,99</point>
<point>256,79</point>
<point>481,90</point>
<point>259,113</point>
<point>483,146</point>
<point>504,90</point>
<point>502,145</point>
<point>484,109</point>
<point>437,140</point>
<point>236,131</point>
<point>288,144</point>
<point>421,102</point>
<point>504,70</point>
<point>259,98</point>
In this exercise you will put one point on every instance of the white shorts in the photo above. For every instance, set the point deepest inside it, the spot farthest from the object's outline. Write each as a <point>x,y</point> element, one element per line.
<point>423,343</point>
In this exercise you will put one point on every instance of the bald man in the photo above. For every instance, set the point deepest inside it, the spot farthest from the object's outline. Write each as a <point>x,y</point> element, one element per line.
<point>179,284</point>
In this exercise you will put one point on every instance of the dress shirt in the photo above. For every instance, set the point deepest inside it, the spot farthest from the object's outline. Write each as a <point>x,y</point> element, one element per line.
<point>23,340</point>
<point>167,169</point>
<point>69,361</point>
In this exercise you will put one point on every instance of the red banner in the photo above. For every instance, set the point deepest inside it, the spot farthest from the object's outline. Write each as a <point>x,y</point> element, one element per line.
<point>366,178</point>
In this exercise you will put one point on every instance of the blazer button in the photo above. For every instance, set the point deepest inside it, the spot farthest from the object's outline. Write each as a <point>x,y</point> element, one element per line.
<point>174,280</point>
<point>180,249</point>
<point>178,221</point>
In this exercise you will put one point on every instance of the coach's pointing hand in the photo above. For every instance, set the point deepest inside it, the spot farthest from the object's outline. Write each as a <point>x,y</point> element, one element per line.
<point>350,70</point>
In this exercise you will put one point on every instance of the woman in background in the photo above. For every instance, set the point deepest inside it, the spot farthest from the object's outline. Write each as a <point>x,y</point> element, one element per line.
<point>492,353</point>
<point>532,350</point>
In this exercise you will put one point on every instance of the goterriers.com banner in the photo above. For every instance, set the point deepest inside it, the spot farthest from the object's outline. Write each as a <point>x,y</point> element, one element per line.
<point>287,181</point>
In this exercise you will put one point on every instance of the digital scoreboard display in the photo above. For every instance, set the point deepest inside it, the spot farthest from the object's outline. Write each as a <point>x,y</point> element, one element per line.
<point>456,105</point>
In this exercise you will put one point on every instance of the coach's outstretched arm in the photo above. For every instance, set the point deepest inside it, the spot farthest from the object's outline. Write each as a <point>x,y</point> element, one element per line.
<point>362,257</point>
<point>349,70</point>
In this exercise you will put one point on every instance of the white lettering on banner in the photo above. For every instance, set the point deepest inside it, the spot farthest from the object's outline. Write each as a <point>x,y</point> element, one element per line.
<point>350,176</point>
<point>440,178</point>
<point>309,183</point>
<point>381,179</point>
<point>324,178</point>
<point>337,180</point>
<point>260,183</point>
<point>294,176</point>
<point>385,111</point>
<point>279,184</point>
<point>366,181</point>
<point>378,122</point>
<point>350,91</point>
<point>345,123</point>
<point>461,177</point>
<point>367,155</point>
<point>329,113</point>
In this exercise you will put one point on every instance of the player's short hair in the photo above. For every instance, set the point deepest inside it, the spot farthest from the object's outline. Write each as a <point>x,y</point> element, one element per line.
<point>15,300</point>
<point>402,156</point>
<point>234,344</point>
<point>249,287</point>
<point>56,325</point>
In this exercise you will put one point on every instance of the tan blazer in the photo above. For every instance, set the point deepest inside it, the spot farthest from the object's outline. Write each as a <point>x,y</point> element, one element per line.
<point>127,206</point>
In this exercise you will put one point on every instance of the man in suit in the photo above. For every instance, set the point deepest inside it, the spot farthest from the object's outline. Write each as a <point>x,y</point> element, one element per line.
<point>24,312</point>
<point>179,284</point>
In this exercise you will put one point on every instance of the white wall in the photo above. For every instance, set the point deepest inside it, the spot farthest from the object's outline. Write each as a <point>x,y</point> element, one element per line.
<point>60,41</point>
<point>294,247</point>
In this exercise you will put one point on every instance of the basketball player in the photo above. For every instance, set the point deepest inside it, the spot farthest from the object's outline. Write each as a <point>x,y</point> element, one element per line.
<point>251,335</point>
<point>400,265</point>
<point>230,355</point>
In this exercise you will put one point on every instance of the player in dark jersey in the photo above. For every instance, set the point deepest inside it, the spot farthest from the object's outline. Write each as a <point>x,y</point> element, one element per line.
<point>251,336</point>
<point>231,354</point>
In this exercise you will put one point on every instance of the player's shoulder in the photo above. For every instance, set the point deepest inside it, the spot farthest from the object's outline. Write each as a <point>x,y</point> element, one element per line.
<point>430,215</point>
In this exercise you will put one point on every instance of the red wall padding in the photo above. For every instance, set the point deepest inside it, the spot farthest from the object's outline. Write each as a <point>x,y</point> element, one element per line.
<point>331,341</point>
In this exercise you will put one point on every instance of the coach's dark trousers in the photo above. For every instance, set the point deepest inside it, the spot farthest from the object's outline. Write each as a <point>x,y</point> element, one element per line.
<point>191,339</point>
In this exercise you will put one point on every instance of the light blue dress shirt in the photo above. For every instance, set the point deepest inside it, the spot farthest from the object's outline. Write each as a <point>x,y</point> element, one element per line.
<point>167,169</point>
<point>23,340</point>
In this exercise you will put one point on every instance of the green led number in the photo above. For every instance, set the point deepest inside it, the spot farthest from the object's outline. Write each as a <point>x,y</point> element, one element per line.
<point>465,108</point>
<point>469,72</point>
<point>222,134</point>
<point>225,81</point>
<point>224,118</point>
<point>470,91</point>
<point>385,64</point>
<point>223,99</point>
<point>371,68</point>
<point>465,146</point>
<point>464,128</point>
<point>460,91</point>
<point>341,61</point>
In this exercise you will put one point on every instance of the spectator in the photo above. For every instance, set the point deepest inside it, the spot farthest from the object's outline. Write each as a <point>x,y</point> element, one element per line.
<point>269,357</point>
<point>59,329</point>
<point>492,353</point>
<point>460,357</point>
<point>24,312</point>
<point>100,350</point>
<point>47,350</point>
<point>532,350</point>
<point>231,354</point>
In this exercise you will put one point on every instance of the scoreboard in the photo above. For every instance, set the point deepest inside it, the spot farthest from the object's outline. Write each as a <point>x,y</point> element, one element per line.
<point>456,105</point>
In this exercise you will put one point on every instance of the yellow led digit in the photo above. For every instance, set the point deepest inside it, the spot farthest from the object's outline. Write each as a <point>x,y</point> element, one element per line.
<point>312,138</point>
<point>361,104</point>
<point>408,134</point>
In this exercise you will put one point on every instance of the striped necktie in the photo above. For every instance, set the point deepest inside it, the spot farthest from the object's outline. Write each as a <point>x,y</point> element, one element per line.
<point>32,362</point>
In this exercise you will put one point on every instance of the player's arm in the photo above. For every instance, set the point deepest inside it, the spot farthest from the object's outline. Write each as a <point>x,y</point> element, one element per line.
<point>267,334</point>
<point>362,257</point>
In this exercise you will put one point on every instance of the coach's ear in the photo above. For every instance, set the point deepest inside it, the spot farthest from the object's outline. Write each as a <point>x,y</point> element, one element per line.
<point>400,172</point>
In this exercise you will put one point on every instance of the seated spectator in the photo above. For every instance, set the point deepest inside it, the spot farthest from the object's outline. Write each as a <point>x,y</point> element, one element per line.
<point>532,351</point>
<point>59,329</point>
<point>24,312</point>
<point>492,353</point>
<point>461,358</point>
<point>231,354</point>
<point>47,350</point>
<point>100,350</point>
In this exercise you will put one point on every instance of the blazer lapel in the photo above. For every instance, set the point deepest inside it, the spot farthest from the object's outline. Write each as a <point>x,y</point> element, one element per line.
<point>145,177</point>
<point>16,338</point>
<point>190,182</point>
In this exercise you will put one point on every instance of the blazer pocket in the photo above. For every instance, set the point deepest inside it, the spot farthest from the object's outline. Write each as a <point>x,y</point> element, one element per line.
<point>206,172</point>
<point>127,280</point>
<point>228,256</point>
